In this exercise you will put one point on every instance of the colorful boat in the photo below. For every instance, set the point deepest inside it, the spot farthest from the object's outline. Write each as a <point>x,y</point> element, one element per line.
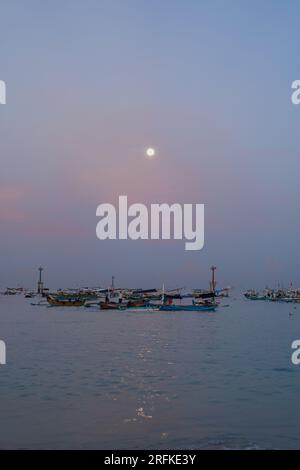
<point>187,308</point>
<point>254,295</point>
<point>64,303</point>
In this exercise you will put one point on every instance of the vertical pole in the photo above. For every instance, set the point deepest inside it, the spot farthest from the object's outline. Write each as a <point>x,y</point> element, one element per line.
<point>213,281</point>
<point>40,283</point>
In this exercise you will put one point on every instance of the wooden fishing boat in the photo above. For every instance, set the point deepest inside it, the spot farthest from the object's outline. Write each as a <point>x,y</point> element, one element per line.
<point>187,308</point>
<point>204,295</point>
<point>64,303</point>
<point>254,295</point>
<point>61,296</point>
<point>111,306</point>
<point>137,303</point>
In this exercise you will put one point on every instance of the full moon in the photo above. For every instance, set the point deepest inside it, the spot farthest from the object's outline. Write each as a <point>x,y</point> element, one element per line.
<point>150,152</point>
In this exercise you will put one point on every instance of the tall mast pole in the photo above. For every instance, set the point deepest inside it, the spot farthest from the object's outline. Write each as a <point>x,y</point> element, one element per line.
<point>213,280</point>
<point>40,282</point>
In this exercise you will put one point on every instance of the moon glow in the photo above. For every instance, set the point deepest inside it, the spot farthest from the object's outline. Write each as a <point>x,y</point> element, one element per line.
<point>150,152</point>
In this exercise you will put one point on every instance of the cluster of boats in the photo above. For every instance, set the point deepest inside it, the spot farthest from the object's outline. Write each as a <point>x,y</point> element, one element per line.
<point>274,295</point>
<point>14,291</point>
<point>150,300</point>
<point>134,300</point>
<point>139,300</point>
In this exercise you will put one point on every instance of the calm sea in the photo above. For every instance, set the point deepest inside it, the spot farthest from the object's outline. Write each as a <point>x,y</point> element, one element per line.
<point>89,379</point>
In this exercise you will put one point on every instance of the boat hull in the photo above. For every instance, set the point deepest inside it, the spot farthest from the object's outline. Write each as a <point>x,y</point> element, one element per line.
<point>64,303</point>
<point>111,306</point>
<point>186,308</point>
<point>142,309</point>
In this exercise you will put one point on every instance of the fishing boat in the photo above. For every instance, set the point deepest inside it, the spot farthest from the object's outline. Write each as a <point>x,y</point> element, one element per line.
<point>64,303</point>
<point>137,303</point>
<point>254,295</point>
<point>187,308</point>
<point>76,295</point>
<point>29,295</point>
<point>111,306</point>
<point>206,301</point>
<point>204,294</point>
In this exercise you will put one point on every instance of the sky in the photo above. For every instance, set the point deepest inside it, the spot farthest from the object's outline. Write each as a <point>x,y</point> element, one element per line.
<point>92,84</point>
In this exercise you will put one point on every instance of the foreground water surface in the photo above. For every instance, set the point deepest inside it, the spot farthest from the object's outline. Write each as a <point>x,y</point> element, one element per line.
<point>89,379</point>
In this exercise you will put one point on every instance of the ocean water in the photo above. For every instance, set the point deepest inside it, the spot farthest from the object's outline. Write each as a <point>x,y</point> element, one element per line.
<point>88,379</point>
